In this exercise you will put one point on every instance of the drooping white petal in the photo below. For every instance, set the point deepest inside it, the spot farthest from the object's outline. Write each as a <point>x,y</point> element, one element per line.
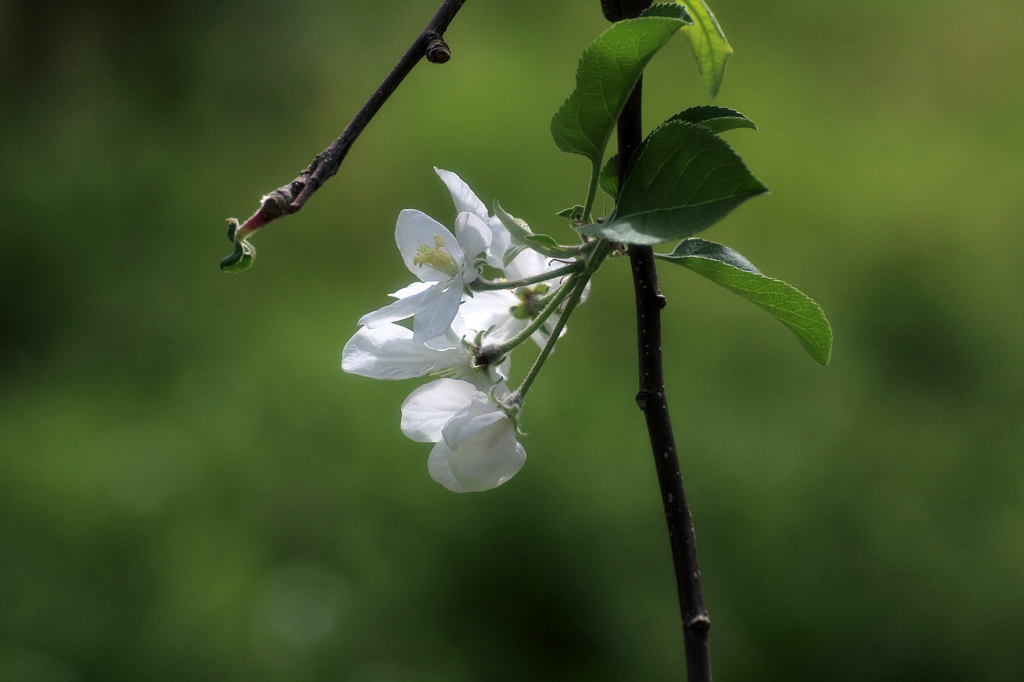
<point>416,229</point>
<point>483,461</point>
<point>435,312</point>
<point>441,471</point>
<point>463,197</point>
<point>474,237</point>
<point>399,310</point>
<point>388,352</point>
<point>431,406</point>
<point>478,414</point>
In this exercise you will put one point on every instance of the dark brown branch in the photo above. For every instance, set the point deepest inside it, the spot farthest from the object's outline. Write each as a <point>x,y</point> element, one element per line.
<point>651,399</point>
<point>292,197</point>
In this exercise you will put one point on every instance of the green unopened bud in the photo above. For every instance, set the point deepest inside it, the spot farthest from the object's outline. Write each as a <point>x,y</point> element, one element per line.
<point>520,312</point>
<point>531,303</point>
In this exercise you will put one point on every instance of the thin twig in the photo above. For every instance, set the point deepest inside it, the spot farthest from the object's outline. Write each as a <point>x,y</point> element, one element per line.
<point>651,399</point>
<point>292,197</point>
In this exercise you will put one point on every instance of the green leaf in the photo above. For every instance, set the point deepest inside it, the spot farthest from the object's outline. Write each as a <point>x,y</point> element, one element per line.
<point>715,119</point>
<point>573,215</point>
<point>523,236</point>
<point>794,309</point>
<point>685,180</point>
<point>607,73</point>
<point>608,180</point>
<point>667,9</point>
<point>516,227</point>
<point>708,43</point>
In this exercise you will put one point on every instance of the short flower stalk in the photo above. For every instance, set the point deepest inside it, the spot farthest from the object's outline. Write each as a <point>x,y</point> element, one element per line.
<point>550,305</point>
<point>576,286</point>
<point>485,285</point>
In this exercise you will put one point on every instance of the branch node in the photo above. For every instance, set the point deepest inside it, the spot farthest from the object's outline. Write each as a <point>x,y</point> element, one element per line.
<point>699,623</point>
<point>438,51</point>
<point>661,300</point>
<point>275,205</point>
<point>642,398</point>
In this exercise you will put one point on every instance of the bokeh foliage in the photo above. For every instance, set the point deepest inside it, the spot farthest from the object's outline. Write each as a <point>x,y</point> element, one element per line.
<point>191,490</point>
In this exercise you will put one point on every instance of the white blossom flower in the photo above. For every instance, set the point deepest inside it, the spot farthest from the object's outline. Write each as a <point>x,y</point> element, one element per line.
<point>389,352</point>
<point>466,201</point>
<point>444,264</point>
<point>475,439</point>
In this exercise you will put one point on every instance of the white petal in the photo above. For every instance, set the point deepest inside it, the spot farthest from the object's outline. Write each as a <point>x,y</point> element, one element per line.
<point>487,309</point>
<point>508,328</point>
<point>500,391</point>
<point>399,310</point>
<point>414,288</point>
<point>528,264</point>
<point>485,460</point>
<point>441,471</point>
<point>474,237</point>
<point>458,330</point>
<point>494,375</point>
<point>431,406</point>
<point>388,352</point>
<point>436,311</point>
<point>415,229</point>
<point>498,374</point>
<point>586,292</point>
<point>465,200</point>
<point>479,414</point>
<point>450,339</point>
<point>500,241</point>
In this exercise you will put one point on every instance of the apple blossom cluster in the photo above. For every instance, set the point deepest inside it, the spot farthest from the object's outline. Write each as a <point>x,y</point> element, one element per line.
<point>463,329</point>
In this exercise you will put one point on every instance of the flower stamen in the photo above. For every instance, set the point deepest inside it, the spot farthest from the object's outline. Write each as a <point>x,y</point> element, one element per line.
<point>437,258</point>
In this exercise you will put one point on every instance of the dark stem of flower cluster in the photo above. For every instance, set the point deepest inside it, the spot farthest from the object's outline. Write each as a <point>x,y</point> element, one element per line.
<point>651,398</point>
<point>292,197</point>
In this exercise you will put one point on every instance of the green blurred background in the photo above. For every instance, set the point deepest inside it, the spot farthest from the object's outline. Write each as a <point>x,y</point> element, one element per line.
<point>190,489</point>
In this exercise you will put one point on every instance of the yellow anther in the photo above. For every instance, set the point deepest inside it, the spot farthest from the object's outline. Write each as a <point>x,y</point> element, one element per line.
<point>437,258</point>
